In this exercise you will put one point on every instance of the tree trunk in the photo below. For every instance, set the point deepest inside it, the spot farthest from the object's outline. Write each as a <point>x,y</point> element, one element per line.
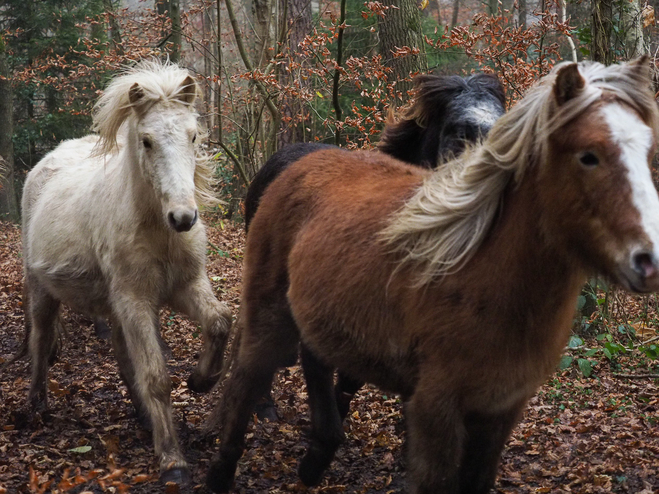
<point>401,27</point>
<point>115,30</point>
<point>298,25</point>
<point>521,11</point>
<point>602,28</point>
<point>630,17</point>
<point>172,38</point>
<point>8,199</point>
<point>493,7</point>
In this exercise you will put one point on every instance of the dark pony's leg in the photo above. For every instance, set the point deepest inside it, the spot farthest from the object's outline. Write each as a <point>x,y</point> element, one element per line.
<point>486,437</point>
<point>264,347</point>
<point>326,429</point>
<point>345,390</point>
<point>42,313</point>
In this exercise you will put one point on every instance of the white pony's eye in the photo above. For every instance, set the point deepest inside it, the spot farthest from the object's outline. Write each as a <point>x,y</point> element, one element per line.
<point>147,143</point>
<point>588,159</point>
<point>194,138</point>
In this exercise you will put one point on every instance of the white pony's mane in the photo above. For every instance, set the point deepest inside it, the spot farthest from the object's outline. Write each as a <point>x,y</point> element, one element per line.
<point>443,224</point>
<point>161,82</point>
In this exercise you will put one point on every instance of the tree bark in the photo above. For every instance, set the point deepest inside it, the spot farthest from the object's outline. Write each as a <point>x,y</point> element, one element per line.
<point>602,28</point>
<point>297,25</point>
<point>521,13</point>
<point>8,199</point>
<point>401,27</point>
<point>115,30</point>
<point>456,12</point>
<point>173,38</point>
<point>632,22</point>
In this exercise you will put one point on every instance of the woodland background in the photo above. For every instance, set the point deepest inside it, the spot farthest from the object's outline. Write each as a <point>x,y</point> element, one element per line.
<point>276,72</point>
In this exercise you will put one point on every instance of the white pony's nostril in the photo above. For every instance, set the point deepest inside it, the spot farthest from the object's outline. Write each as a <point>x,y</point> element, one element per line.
<point>182,220</point>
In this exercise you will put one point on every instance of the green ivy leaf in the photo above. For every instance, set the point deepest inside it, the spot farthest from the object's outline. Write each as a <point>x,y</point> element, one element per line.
<point>585,367</point>
<point>566,361</point>
<point>575,342</point>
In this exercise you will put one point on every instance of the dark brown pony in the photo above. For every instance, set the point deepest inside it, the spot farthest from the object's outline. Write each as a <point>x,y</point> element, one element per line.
<point>455,288</point>
<point>449,112</point>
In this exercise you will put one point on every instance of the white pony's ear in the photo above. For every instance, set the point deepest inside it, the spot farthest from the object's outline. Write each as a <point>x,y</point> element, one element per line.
<point>135,94</point>
<point>568,84</point>
<point>188,91</point>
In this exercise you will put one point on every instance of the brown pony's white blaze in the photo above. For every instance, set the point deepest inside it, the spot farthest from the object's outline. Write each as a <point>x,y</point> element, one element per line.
<point>456,287</point>
<point>110,228</point>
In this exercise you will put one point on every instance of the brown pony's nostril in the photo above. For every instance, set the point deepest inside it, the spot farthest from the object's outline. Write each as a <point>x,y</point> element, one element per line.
<point>644,263</point>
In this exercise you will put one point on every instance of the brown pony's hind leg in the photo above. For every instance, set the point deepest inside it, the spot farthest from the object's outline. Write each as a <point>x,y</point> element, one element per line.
<point>263,349</point>
<point>42,313</point>
<point>486,437</point>
<point>326,429</point>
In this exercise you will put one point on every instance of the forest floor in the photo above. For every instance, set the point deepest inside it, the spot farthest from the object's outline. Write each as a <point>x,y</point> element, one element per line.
<point>579,434</point>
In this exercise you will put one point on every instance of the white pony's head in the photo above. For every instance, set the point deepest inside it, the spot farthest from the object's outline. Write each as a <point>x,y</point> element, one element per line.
<point>155,101</point>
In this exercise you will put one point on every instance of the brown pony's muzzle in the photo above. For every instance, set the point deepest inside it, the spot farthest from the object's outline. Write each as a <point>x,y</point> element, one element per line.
<point>182,220</point>
<point>642,273</point>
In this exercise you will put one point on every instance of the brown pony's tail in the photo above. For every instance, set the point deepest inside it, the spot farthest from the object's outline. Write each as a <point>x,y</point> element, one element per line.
<point>232,355</point>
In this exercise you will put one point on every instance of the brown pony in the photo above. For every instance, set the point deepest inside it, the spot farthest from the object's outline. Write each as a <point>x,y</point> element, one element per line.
<point>456,287</point>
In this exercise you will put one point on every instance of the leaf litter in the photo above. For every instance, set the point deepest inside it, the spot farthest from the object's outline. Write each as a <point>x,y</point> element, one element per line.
<point>578,435</point>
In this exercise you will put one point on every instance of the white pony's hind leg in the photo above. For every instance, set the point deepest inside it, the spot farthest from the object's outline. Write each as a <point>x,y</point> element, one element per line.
<point>138,320</point>
<point>42,312</point>
<point>198,302</point>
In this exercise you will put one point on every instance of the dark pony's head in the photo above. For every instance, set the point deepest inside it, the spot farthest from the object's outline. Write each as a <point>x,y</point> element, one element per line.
<point>449,111</point>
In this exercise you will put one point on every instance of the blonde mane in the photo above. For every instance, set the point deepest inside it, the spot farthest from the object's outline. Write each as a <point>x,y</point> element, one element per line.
<point>162,82</point>
<point>443,224</point>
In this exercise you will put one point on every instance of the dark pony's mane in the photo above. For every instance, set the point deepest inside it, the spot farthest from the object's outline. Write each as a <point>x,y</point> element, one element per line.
<point>438,102</point>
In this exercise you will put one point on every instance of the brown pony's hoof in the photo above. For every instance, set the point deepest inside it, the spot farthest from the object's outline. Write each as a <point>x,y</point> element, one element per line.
<point>178,475</point>
<point>200,384</point>
<point>314,464</point>
<point>220,475</point>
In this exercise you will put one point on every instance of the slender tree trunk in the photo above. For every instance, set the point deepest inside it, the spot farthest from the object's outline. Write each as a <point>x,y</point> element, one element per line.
<point>115,30</point>
<point>298,25</point>
<point>456,12</point>
<point>175,16</point>
<point>493,7</point>
<point>521,11</point>
<point>401,27</point>
<point>8,199</point>
<point>632,22</point>
<point>602,28</point>
<point>218,89</point>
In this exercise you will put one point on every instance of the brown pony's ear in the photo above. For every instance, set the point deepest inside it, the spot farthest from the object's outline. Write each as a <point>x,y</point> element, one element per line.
<point>568,84</point>
<point>188,91</point>
<point>640,65</point>
<point>135,94</point>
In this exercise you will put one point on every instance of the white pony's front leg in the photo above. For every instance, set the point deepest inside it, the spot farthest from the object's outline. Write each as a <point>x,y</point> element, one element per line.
<point>143,366</point>
<point>198,302</point>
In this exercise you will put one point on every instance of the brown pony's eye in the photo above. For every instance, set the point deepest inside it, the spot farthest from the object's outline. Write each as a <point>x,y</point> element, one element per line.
<point>589,159</point>
<point>147,143</point>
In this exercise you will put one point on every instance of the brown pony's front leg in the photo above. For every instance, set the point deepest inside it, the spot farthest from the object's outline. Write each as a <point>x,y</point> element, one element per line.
<point>326,429</point>
<point>138,320</point>
<point>486,437</point>
<point>198,302</point>
<point>436,443</point>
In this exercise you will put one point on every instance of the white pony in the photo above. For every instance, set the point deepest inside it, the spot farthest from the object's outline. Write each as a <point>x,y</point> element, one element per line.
<point>111,229</point>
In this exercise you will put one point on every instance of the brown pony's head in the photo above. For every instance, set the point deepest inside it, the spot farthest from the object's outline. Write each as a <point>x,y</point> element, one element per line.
<point>595,186</point>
